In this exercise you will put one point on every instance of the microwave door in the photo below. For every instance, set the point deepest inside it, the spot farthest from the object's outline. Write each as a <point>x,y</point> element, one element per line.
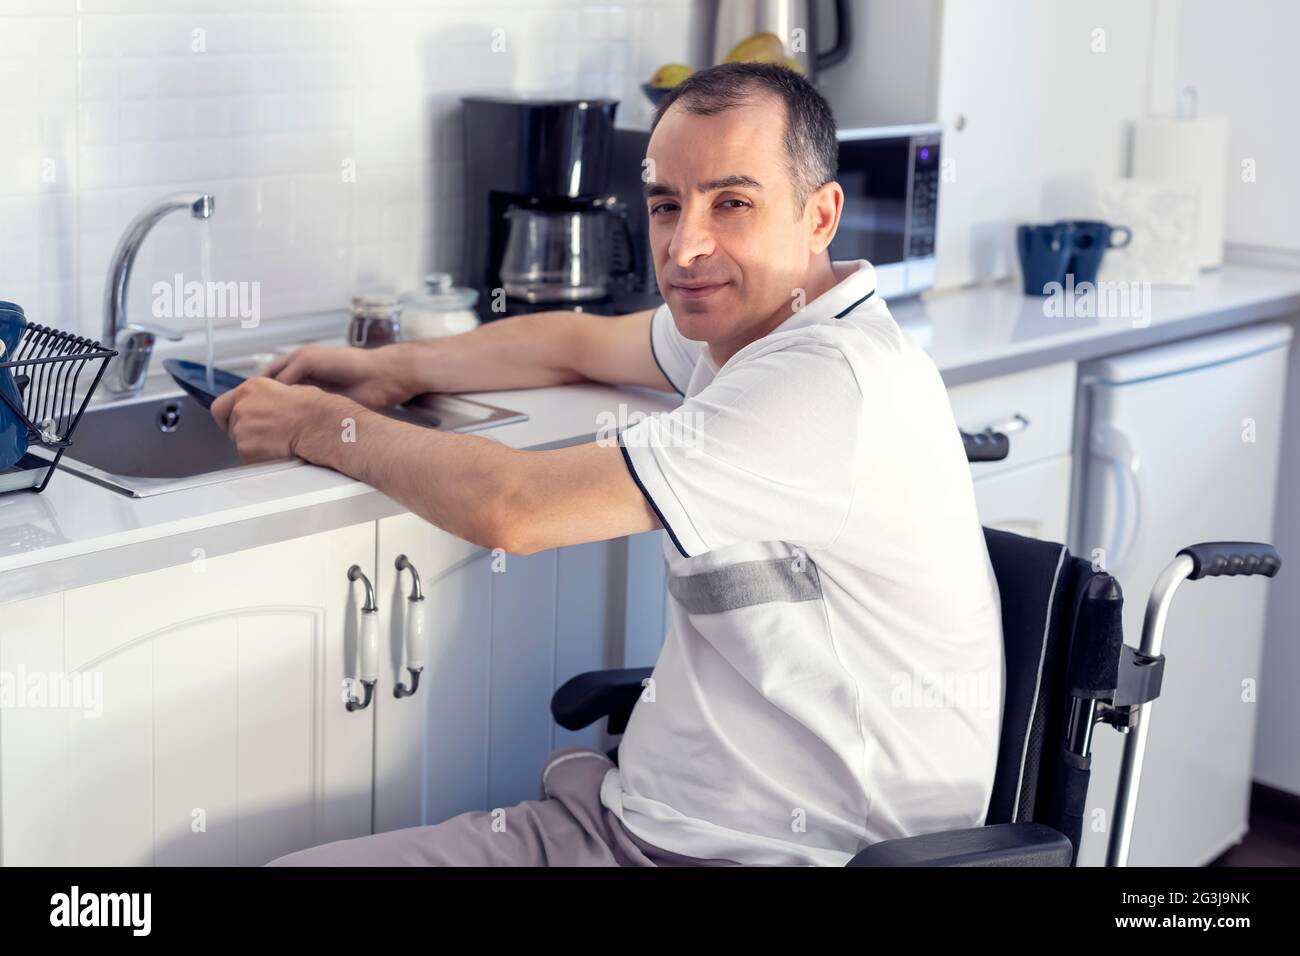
<point>873,225</point>
<point>890,178</point>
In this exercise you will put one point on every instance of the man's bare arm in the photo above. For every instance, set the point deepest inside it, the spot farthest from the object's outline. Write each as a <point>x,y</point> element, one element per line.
<point>533,351</point>
<point>475,488</point>
<point>480,490</point>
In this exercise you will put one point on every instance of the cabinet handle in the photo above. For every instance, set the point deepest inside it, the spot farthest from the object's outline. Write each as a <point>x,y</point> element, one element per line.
<point>369,642</point>
<point>1009,426</point>
<point>414,628</point>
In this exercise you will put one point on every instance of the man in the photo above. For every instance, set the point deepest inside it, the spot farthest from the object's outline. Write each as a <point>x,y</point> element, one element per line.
<point>829,581</point>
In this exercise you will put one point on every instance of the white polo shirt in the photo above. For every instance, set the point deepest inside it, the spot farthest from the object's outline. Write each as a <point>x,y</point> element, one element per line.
<point>832,673</point>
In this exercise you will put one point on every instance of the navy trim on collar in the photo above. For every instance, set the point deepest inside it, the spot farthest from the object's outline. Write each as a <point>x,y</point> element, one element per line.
<point>840,315</point>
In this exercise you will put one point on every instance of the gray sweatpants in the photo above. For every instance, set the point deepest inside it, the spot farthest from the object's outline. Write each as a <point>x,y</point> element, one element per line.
<point>568,826</point>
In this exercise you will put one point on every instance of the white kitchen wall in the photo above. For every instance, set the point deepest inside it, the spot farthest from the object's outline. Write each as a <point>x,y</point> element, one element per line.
<point>890,75</point>
<point>1242,61</point>
<point>328,131</point>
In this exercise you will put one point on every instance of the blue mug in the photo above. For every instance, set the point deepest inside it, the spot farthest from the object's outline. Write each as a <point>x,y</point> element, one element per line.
<point>13,431</point>
<point>1045,252</point>
<point>1091,240</point>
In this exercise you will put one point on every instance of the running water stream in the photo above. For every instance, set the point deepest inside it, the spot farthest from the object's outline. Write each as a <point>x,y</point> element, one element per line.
<point>205,268</point>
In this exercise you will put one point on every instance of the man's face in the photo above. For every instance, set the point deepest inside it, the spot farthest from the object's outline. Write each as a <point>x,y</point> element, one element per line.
<point>729,247</point>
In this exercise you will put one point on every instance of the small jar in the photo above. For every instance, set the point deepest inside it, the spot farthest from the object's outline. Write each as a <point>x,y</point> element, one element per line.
<point>438,309</point>
<point>376,320</point>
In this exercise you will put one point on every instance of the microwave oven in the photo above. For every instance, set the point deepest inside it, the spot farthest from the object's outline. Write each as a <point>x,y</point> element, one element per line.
<point>890,177</point>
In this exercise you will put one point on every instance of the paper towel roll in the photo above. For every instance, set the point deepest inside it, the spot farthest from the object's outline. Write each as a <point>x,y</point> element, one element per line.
<point>1193,151</point>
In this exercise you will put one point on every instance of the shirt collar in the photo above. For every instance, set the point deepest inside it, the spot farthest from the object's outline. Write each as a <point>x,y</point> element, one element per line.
<point>856,286</point>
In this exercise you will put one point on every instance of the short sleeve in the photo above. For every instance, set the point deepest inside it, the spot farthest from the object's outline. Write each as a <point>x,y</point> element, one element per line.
<point>766,452</point>
<point>675,354</point>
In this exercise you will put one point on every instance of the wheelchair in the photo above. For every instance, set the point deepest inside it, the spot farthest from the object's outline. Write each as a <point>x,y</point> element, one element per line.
<point>1068,671</point>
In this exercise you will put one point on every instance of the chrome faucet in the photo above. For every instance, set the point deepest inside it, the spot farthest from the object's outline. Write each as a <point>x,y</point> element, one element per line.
<point>134,341</point>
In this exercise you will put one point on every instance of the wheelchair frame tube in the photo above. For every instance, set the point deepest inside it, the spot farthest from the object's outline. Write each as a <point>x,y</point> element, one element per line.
<point>1135,742</point>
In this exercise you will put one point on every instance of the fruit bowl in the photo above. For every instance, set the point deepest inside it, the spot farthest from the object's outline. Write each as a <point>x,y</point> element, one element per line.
<point>655,94</point>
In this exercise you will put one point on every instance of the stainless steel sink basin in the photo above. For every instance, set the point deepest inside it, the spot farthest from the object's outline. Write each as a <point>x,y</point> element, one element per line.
<point>148,446</point>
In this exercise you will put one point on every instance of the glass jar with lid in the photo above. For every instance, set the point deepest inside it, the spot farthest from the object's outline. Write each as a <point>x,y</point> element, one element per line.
<point>376,320</point>
<point>440,308</point>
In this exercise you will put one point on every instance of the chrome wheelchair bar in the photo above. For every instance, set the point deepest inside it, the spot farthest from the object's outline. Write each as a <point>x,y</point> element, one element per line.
<point>1135,741</point>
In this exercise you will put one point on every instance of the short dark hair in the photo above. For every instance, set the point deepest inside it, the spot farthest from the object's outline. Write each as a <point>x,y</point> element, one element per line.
<point>809,124</point>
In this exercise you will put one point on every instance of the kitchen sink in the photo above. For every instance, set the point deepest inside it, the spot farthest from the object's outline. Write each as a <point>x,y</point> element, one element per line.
<point>151,445</point>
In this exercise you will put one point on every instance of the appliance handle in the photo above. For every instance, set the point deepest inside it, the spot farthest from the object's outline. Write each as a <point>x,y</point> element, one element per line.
<point>620,212</point>
<point>1113,445</point>
<point>821,59</point>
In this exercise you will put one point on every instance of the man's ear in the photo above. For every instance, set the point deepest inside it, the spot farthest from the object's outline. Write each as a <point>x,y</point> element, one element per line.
<point>825,206</point>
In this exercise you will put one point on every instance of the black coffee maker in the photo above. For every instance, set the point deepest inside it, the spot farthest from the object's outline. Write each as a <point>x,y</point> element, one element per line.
<point>544,228</point>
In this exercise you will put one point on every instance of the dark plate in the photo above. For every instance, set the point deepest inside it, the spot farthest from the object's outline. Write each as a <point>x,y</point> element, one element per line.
<point>193,377</point>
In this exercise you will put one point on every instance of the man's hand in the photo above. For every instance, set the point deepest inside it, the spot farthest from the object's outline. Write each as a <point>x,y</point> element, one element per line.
<point>473,487</point>
<point>376,378</point>
<point>268,420</point>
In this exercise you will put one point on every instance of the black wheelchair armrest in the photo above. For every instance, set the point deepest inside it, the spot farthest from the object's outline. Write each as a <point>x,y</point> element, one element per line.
<point>584,699</point>
<point>1003,844</point>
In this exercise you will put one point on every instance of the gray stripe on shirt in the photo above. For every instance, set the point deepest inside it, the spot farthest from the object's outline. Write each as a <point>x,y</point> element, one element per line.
<point>746,584</point>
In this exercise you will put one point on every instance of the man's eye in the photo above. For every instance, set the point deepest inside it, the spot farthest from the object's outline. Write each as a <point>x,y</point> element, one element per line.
<point>663,207</point>
<point>735,203</point>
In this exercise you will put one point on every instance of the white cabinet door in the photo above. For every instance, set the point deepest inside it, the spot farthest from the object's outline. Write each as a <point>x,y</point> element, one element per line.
<point>431,748</point>
<point>212,729</point>
<point>500,633</point>
<point>1033,500</point>
<point>1010,145</point>
<point>33,746</point>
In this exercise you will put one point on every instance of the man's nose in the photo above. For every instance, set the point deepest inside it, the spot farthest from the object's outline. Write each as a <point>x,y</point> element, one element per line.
<point>691,239</point>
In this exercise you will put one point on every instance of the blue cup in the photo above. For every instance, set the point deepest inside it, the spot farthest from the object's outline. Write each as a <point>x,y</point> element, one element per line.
<point>13,431</point>
<point>1091,240</point>
<point>1045,252</point>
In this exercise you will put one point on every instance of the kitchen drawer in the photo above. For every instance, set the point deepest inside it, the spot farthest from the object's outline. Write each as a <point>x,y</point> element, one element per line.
<point>1032,500</point>
<point>1044,397</point>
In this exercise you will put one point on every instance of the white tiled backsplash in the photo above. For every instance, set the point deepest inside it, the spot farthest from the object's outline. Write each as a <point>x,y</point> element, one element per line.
<point>327,130</point>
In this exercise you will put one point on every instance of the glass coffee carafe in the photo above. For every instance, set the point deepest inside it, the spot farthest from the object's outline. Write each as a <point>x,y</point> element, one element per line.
<point>561,254</point>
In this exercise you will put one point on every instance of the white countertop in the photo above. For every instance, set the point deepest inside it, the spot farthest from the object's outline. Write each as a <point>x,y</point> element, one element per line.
<point>54,540</point>
<point>74,518</point>
<point>984,331</point>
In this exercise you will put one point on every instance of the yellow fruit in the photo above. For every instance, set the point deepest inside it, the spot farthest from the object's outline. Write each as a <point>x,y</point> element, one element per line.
<point>760,48</point>
<point>790,63</point>
<point>669,75</point>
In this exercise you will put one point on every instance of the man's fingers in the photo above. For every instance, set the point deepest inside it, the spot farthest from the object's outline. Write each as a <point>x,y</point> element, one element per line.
<point>221,408</point>
<point>294,370</point>
<point>273,369</point>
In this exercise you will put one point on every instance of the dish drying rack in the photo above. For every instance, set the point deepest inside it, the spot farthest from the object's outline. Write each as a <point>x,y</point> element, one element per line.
<point>56,373</point>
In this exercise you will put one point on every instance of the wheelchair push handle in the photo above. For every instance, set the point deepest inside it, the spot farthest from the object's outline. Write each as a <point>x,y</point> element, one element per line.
<point>1196,561</point>
<point>1216,558</point>
<point>1207,559</point>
